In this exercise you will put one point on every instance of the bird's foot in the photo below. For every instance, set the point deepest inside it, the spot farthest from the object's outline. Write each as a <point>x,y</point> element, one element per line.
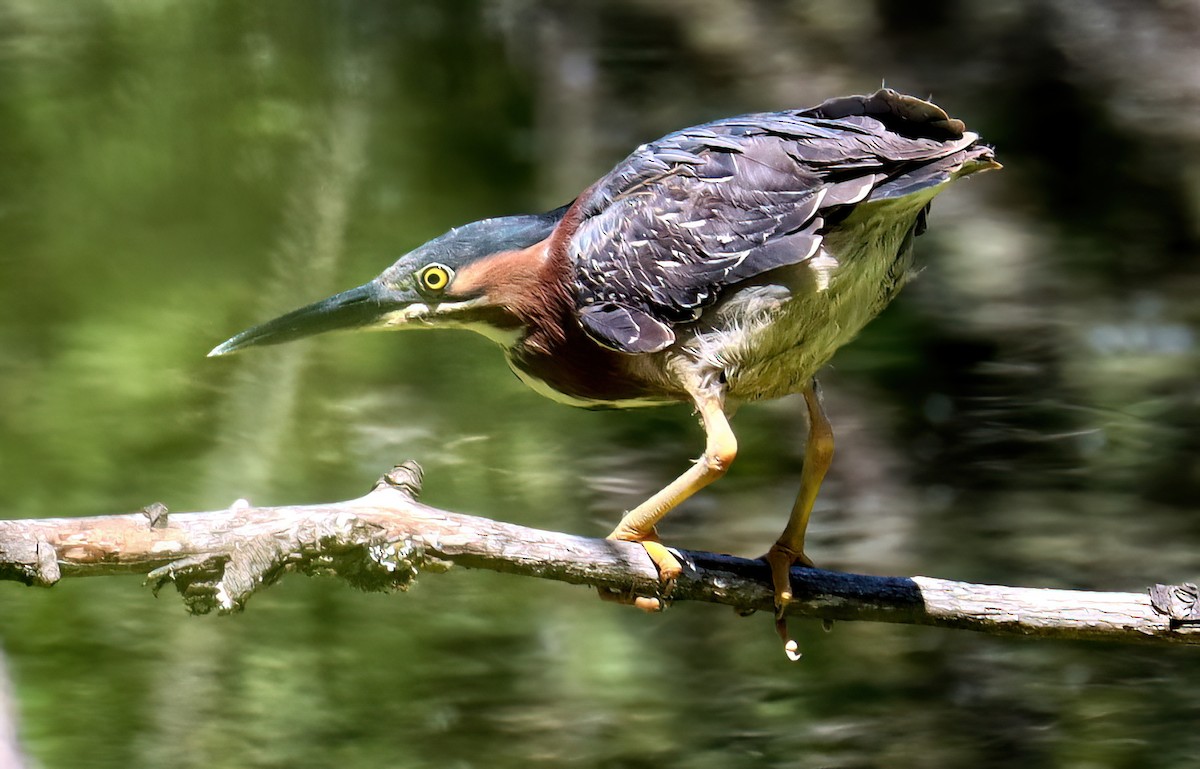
<point>781,558</point>
<point>664,560</point>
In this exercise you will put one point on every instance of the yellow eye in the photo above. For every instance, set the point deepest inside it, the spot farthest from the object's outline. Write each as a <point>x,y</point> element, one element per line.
<point>435,277</point>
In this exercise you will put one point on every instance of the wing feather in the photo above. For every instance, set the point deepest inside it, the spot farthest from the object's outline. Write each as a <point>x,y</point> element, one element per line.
<point>678,221</point>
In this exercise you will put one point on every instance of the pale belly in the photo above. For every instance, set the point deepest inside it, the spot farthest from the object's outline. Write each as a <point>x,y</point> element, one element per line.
<point>767,340</point>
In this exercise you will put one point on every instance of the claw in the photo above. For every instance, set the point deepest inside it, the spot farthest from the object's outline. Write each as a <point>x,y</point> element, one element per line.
<point>668,567</point>
<point>781,558</point>
<point>790,647</point>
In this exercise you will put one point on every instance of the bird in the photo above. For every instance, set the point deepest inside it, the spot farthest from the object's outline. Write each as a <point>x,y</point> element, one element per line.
<point>721,264</point>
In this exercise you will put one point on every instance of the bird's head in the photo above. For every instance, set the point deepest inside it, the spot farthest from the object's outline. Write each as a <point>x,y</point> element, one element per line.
<point>473,276</point>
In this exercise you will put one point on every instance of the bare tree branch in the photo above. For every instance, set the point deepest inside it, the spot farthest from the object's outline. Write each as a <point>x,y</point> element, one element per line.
<point>382,541</point>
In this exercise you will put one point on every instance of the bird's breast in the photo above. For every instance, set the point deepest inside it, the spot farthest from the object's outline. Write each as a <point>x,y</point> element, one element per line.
<point>570,368</point>
<point>591,396</point>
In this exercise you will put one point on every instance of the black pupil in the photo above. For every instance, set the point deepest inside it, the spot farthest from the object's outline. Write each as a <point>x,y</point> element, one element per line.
<point>434,279</point>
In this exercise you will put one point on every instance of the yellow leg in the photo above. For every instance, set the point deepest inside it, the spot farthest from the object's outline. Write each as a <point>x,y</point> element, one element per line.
<point>719,452</point>
<point>789,549</point>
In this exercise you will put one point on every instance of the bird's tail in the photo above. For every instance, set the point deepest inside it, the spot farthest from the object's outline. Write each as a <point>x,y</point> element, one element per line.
<point>904,114</point>
<point>918,119</point>
<point>934,174</point>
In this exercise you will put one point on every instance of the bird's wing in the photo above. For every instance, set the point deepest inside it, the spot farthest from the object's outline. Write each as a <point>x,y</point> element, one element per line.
<point>680,219</point>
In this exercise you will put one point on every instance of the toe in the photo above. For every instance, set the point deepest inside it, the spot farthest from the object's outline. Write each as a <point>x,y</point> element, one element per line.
<point>664,560</point>
<point>780,559</point>
<point>665,563</point>
<point>645,603</point>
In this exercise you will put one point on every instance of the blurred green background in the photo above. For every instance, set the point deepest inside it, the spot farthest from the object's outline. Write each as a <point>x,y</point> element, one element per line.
<point>1027,413</point>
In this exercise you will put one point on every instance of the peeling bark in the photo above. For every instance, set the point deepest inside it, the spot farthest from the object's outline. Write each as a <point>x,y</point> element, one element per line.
<point>382,541</point>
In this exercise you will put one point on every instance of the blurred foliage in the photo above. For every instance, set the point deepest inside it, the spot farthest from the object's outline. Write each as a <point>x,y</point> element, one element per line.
<point>1026,413</point>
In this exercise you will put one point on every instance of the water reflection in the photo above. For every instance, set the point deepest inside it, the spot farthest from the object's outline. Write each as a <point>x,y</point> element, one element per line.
<point>1026,413</point>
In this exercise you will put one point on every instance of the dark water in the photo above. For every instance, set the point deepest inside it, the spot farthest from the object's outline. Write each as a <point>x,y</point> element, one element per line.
<point>1026,413</point>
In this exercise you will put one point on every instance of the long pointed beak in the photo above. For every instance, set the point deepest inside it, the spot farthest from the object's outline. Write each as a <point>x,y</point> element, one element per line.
<point>363,306</point>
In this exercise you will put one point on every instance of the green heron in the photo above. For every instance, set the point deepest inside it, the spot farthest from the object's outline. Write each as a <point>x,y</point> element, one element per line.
<point>723,263</point>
